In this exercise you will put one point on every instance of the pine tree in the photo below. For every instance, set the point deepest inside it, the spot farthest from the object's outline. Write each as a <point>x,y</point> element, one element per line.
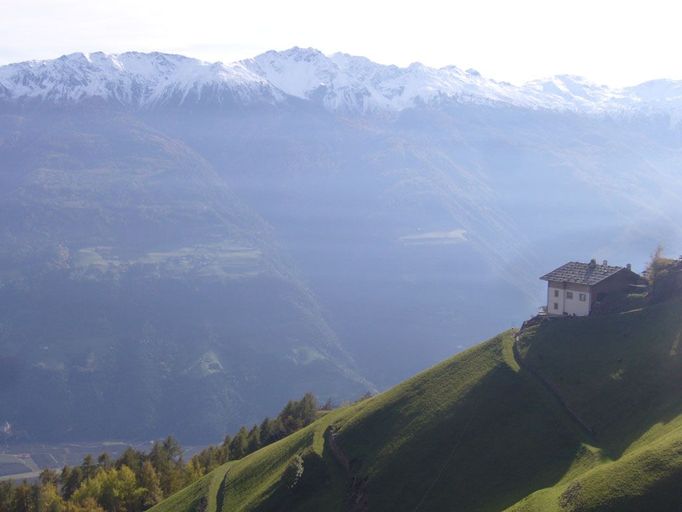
<point>87,505</point>
<point>104,460</point>
<point>49,476</point>
<point>225,450</point>
<point>166,457</point>
<point>70,480</point>
<point>131,458</point>
<point>88,467</point>
<point>49,499</point>
<point>193,471</point>
<point>149,480</point>
<point>254,442</point>
<point>267,432</point>
<point>240,444</point>
<point>25,498</point>
<point>6,495</point>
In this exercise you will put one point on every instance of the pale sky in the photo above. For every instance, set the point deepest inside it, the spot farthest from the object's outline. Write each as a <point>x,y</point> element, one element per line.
<point>612,42</point>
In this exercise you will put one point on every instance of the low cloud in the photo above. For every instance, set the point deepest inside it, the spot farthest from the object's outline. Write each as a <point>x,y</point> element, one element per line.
<point>436,238</point>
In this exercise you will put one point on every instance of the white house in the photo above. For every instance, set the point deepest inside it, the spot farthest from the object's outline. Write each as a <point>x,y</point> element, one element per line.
<point>575,288</point>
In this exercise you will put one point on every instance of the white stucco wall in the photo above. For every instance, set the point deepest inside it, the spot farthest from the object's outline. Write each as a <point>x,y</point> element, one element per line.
<point>555,300</point>
<point>567,301</point>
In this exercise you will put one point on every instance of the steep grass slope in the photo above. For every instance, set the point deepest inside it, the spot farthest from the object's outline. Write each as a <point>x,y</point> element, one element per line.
<point>621,376</point>
<point>577,414</point>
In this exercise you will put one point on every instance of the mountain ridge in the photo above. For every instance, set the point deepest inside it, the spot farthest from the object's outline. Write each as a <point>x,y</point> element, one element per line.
<point>339,82</point>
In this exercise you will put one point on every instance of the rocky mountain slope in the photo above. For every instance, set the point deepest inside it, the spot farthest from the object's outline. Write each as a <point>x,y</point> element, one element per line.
<point>131,277</point>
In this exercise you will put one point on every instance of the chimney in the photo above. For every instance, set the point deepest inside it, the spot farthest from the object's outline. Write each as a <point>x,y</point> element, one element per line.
<point>605,263</point>
<point>593,263</point>
<point>628,266</point>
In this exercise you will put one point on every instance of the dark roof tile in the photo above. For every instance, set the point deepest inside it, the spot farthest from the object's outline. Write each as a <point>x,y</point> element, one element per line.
<point>581,273</point>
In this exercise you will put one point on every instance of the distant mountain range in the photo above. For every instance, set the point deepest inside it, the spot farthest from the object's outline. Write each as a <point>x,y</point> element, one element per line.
<point>186,246</point>
<point>340,82</point>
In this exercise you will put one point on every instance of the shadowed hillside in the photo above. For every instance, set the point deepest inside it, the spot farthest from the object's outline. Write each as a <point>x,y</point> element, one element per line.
<point>138,292</point>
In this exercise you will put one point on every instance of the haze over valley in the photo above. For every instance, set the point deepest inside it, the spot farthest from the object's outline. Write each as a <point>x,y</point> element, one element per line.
<point>184,246</point>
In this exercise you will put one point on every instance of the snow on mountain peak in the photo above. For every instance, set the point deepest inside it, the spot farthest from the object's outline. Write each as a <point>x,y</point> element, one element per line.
<point>339,82</point>
<point>129,78</point>
<point>297,71</point>
<point>346,82</point>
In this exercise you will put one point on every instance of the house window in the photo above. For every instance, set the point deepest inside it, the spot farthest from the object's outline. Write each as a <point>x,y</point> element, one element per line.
<point>582,297</point>
<point>556,293</point>
<point>569,295</point>
<point>556,305</point>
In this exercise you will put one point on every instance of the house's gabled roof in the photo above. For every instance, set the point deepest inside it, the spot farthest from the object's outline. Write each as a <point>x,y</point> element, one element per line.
<point>581,273</point>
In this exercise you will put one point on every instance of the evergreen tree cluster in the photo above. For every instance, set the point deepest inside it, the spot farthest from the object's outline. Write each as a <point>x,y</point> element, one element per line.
<point>294,416</point>
<point>136,481</point>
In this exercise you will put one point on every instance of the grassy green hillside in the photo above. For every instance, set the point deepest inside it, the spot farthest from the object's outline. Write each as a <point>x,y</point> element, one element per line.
<point>572,414</point>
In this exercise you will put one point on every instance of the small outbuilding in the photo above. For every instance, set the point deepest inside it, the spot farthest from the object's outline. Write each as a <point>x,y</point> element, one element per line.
<point>577,288</point>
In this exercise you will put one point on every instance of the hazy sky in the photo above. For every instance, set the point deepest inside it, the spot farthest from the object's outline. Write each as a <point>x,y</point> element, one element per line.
<point>614,42</point>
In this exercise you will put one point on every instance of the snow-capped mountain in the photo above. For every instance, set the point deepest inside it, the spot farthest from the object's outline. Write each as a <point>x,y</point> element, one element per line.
<point>346,82</point>
<point>132,78</point>
<point>339,82</point>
